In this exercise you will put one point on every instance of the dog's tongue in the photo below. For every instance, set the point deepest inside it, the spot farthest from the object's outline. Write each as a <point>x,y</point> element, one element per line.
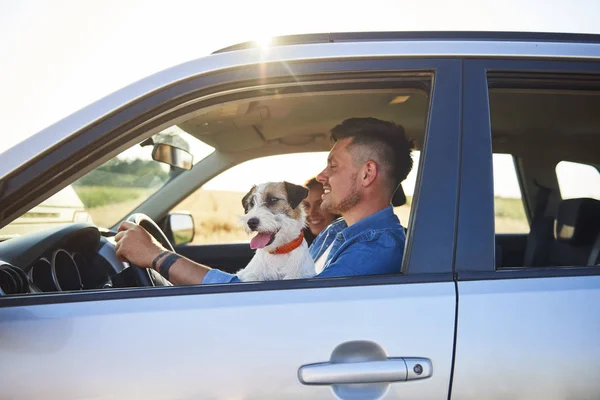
<point>260,240</point>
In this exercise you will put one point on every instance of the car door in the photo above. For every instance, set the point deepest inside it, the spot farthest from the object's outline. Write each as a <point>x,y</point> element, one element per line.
<point>363,337</point>
<point>526,332</point>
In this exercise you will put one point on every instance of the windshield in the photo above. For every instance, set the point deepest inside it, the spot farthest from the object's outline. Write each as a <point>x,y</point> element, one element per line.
<point>110,192</point>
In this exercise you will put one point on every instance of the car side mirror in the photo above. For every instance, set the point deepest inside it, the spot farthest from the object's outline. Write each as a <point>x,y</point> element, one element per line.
<point>181,227</point>
<point>174,156</point>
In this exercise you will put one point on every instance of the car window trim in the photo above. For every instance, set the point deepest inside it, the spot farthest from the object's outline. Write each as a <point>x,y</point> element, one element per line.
<point>188,290</point>
<point>479,260</point>
<point>527,273</point>
<point>431,235</point>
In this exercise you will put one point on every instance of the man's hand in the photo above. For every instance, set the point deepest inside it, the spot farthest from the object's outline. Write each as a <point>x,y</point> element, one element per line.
<point>136,245</point>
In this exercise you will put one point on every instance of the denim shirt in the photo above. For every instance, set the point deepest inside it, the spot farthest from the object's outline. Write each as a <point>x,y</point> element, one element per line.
<point>374,245</point>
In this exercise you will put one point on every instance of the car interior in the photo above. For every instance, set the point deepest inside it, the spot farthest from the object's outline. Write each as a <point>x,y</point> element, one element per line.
<point>541,124</point>
<point>77,256</point>
<point>293,123</point>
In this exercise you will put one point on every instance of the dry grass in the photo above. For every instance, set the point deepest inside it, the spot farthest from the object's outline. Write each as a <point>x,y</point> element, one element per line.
<point>216,215</point>
<point>510,216</point>
<point>107,215</point>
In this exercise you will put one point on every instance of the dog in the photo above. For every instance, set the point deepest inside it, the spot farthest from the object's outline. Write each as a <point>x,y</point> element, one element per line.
<point>275,212</point>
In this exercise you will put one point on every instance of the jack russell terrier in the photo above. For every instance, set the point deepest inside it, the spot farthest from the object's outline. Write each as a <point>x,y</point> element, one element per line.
<point>274,211</point>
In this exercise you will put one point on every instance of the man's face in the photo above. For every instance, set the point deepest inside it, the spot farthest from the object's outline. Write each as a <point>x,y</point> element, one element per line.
<point>340,179</point>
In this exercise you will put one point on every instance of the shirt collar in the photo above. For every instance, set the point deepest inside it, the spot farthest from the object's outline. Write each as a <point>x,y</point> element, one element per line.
<point>380,219</point>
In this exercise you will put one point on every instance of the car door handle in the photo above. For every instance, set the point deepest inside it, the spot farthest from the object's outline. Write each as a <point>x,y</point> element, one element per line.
<point>390,370</point>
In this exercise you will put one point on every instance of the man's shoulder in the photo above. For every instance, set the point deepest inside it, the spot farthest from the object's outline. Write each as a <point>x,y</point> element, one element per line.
<point>382,237</point>
<point>375,251</point>
<point>383,225</point>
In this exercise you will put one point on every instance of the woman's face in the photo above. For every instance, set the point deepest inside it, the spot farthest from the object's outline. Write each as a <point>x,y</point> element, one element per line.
<point>316,218</point>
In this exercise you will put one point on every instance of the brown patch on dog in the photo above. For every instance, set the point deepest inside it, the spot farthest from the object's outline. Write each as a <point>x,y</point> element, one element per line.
<point>247,200</point>
<point>275,197</point>
<point>295,193</point>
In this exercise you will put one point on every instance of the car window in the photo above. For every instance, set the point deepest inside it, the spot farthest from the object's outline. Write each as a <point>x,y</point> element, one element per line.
<point>578,180</point>
<point>284,137</point>
<point>545,128</point>
<point>108,193</point>
<point>217,206</point>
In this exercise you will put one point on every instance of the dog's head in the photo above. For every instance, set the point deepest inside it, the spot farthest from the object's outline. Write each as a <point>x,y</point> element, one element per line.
<point>274,210</point>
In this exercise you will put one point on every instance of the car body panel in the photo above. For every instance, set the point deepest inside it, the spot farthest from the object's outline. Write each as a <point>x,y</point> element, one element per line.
<point>235,345</point>
<point>528,338</point>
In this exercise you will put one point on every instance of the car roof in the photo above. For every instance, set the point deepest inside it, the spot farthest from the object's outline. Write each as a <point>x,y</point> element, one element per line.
<point>340,37</point>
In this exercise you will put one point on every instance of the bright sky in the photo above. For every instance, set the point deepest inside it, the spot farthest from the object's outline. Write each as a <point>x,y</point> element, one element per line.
<point>58,56</point>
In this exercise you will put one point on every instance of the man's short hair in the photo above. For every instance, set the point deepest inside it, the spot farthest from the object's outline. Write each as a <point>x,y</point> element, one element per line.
<point>386,142</point>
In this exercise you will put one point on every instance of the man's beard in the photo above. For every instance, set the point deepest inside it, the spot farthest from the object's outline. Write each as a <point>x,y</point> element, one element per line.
<point>351,200</point>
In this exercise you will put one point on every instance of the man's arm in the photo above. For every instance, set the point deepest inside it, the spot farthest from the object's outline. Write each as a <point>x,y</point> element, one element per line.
<point>137,246</point>
<point>180,270</point>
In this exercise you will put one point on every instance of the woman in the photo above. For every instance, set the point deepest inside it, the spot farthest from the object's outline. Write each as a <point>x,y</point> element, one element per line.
<point>316,219</point>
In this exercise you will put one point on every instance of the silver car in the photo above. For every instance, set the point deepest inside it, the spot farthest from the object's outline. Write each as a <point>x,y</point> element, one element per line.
<point>496,296</point>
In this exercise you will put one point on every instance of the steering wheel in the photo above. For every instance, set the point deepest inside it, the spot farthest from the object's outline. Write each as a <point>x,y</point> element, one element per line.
<point>148,276</point>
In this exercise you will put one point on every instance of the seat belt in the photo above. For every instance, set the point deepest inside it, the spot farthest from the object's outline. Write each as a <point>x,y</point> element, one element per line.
<point>541,232</point>
<point>595,253</point>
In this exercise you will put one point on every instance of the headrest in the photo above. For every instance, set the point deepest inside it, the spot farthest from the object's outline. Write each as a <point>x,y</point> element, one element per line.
<point>578,221</point>
<point>399,198</point>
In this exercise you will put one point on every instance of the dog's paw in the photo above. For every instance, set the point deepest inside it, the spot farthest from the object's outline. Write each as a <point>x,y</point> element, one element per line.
<point>246,275</point>
<point>305,275</point>
<point>242,275</point>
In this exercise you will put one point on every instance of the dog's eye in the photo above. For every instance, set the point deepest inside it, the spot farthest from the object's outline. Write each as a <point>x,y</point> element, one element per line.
<point>272,200</point>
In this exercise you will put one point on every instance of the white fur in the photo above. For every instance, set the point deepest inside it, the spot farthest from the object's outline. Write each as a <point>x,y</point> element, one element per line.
<point>297,264</point>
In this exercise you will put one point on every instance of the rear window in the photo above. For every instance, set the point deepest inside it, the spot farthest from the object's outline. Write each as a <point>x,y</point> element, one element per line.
<point>578,180</point>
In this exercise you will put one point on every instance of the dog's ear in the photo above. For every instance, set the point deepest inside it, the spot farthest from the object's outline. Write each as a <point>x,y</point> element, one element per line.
<point>295,193</point>
<point>248,199</point>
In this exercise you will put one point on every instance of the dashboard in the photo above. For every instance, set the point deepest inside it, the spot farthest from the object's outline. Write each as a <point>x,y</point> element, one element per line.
<point>63,259</point>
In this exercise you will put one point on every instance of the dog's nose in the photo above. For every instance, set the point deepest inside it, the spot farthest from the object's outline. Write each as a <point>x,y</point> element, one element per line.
<point>253,223</point>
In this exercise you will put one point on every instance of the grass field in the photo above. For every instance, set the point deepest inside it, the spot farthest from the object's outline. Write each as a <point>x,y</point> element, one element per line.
<point>107,204</point>
<point>98,196</point>
<point>216,213</point>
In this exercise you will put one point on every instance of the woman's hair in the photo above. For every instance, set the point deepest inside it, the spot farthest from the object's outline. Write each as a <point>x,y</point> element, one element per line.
<point>312,182</point>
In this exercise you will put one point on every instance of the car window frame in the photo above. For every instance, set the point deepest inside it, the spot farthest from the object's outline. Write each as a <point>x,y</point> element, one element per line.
<point>477,190</point>
<point>436,194</point>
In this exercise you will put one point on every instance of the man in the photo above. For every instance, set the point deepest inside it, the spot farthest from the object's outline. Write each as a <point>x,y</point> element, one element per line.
<point>366,164</point>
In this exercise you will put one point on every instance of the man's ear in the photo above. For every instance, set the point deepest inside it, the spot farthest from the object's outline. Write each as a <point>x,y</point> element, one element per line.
<point>295,193</point>
<point>369,172</point>
<point>246,199</point>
